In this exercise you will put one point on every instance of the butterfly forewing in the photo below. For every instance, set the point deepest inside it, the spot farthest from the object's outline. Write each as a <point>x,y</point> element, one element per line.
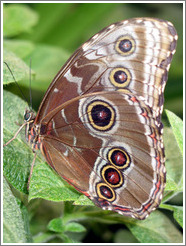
<point>101,62</point>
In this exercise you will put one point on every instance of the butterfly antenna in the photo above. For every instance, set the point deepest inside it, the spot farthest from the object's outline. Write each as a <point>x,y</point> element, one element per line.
<point>30,85</point>
<point>16,82</point>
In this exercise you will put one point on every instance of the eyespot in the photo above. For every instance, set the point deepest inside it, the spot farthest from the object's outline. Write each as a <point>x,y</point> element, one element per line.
<point>105,192</point>
<point>119,158</point>
<point>125,45</point>
<point>120,77</point>
<point>101,115</point>
<point>112,176</point>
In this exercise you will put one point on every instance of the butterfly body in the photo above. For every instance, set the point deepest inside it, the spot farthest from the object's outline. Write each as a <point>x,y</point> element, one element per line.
<point>99,124</point>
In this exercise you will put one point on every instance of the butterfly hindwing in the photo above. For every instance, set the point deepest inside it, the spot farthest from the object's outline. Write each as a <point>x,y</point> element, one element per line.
<point>83,146</point>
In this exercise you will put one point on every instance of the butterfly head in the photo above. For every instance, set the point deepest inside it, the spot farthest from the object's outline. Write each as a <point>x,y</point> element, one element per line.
<point>29,116</point>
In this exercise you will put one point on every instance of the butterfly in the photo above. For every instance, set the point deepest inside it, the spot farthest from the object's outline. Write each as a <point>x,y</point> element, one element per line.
<point>99,123</point>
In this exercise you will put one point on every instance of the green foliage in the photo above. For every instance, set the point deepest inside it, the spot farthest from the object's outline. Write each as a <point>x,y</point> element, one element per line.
<point>177,127</point>
<point>15,218</point>
<point>18,18</point>
<point>177,212</point>
<point>18,67</point>
<point>123,234</point>
<point>48,33</point>
<point>62,230</point>
<point>174,172</point>
<point>46,184</point>
<point>155,230</point>
<point>16,166</point>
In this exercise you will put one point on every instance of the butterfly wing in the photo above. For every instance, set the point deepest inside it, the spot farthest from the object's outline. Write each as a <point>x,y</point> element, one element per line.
<point>134,54</point>
<point>117,162</point>
<point>100,118</point>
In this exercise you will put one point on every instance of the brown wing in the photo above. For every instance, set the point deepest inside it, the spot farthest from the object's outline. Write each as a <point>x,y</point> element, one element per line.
<point>101,116</point>
<point>108,146</point>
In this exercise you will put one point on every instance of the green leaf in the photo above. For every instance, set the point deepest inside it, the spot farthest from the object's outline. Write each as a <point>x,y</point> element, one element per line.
<point>15,219</point>
<point>22,48</point>
<point>177,212</point>
<point>157,228</point>
<point>174,161</point>
<point>18,18</point>
<point>56,225</point>
<point>171,185</point>
<point>47,184</point>
<point>83,200</point>
<point>18,67</point>
<point>12,117</point>
<point>17,155</point>
<point>74,227</point>
<point>178,215</point>
<point>177,127</point>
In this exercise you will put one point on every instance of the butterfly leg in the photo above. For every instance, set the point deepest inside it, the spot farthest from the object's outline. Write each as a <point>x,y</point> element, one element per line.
<point>14,135</point>
<point>31,170</point>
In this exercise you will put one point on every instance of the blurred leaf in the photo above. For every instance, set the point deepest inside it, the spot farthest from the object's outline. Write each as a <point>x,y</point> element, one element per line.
<point>157,228</point>
<point>19,69</point>
<point>67,239</point>
<point>74,227</point>
<point>173,155</point>
<point>46,26</point>
<point>46,62</point>
<point>15,219</point>
<point>177,127</point>
<point>124,236</point>
<point>18,18</point>
<point>43,237</point>
<point>71,22</point>
<point>90,12</point>
<point>154,229</point>
<point>177,212</point>
<point>48,185</point>
<point>56,225</point>
<point>21,48</point>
